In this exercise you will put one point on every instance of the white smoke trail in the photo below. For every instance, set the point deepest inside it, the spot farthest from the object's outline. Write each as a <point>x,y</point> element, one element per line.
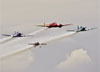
<point>32,34</point>
<point>20,50</point>
<point>37,31</point>
<point>59,37</point>
<point>5,39</point>
<point>15,52</point>
<point>9,38</point>
<point>45,41</point>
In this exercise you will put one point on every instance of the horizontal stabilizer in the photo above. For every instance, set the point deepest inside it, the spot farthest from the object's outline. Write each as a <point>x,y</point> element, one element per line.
<point>28,35</point>
<point>92,28</point>
<point>67,24</point>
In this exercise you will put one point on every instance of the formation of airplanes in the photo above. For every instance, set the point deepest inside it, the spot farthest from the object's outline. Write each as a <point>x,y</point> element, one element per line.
<point>52,25</point>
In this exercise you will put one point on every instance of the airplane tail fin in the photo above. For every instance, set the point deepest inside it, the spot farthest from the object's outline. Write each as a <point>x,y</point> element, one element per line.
<point>79,28</point>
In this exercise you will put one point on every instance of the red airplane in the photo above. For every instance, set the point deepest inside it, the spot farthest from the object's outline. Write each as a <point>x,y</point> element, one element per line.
<point>53,25</point>
<point>37,44</point>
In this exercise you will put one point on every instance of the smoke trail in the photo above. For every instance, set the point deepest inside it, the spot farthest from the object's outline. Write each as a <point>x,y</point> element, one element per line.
<point>15,52</point>
<point>5,40</point>
<point>33,33</point>
<point>37,31</point>
<point>9,38</point>
<point>59,37</point>
<point>45,41</point>
<point>20,50</point>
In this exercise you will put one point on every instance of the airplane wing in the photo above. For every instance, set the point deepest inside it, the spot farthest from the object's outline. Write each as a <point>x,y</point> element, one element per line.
<point>6,35</point>
<point>92,28</point>
<point>67,24</point>
<point>41,25</point>
<point>31,44</point>
<point>28,35</point>
<point>44,25</point>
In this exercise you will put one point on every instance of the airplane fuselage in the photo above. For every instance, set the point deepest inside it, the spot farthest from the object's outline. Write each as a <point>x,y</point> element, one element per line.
<point>81,29</point>
<point>55,25</point>
<point>36,44</point>
<point>17,35</point>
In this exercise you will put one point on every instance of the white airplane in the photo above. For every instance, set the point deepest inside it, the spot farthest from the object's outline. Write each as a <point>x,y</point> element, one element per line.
<point>81,29</point>
<point>16,34</point>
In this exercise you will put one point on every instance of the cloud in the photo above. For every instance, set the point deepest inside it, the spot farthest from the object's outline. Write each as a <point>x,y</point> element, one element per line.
<point>78,58</point>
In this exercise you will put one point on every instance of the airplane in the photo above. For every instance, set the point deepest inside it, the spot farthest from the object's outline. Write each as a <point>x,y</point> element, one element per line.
<point>53,25</point>
<point>82,29</point>
<point>16,34</point>
<point>37,44</point>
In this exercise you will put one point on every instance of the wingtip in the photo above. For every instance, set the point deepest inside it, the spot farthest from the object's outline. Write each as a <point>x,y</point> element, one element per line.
<point>40,25</point>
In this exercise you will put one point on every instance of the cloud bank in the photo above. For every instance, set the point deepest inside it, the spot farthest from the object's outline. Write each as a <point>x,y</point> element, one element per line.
<point>78,58</point>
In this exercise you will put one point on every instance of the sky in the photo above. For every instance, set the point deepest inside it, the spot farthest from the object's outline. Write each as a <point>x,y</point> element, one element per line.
<point>78,53</point>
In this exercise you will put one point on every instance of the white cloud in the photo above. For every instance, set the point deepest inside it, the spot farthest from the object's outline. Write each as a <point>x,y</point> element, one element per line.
<point>78,58</point>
